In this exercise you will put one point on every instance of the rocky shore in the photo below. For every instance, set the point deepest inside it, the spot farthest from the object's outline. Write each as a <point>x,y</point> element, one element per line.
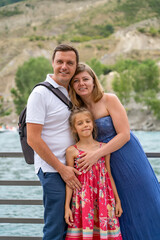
<point>139,119</point>
<point>143,120</point>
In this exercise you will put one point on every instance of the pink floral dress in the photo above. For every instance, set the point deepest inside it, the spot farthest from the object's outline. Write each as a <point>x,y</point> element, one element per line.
<point>93,206</point>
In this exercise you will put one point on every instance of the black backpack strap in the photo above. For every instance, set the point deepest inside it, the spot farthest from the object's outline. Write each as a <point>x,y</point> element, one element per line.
<point>22,122</point>
<point>57,92</point>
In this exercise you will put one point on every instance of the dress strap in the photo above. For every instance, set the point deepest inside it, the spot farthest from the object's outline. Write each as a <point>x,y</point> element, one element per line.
<point>100,144</point>
<point>80,151</point>
<point>75,146</point>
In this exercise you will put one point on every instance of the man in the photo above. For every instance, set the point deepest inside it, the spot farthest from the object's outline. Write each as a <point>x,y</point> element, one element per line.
<point>48,133</point>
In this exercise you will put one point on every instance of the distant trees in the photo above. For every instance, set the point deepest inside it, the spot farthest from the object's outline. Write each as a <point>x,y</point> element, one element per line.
<point>140,80</point>
<point>3,109</point>
<point>122,85</point>
<point>27,75</point>
<point>99,69</point>
<point>97,66</point>
<point>137,80</point>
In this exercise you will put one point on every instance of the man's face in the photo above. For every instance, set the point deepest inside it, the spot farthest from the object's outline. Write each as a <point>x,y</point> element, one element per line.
<point>64,67</point>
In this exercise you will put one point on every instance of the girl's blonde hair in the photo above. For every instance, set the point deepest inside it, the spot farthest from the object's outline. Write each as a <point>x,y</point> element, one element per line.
<point>72,117</point>
<point>98,91</point>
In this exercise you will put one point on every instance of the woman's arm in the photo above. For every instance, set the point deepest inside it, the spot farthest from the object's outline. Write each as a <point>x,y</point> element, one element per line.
<point>70,155</point>
<point>119,210</point>
<point>121,125</point>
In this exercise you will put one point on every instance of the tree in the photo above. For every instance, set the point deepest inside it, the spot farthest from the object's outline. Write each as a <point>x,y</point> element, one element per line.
<point>146,77</point>
<point>96,65</point>
<point>99,69</point>
<point>3,109</point>
<point>150,99</point>
<point>122,85</point>
<point>28,75</point>
<point>142,79</point>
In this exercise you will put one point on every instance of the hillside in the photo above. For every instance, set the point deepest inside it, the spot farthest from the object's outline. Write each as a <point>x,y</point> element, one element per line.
<point>33,28</point>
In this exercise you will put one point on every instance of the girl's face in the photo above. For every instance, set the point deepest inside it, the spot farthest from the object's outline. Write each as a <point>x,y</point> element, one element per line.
<point>83,125</point>
<point>83,84</point>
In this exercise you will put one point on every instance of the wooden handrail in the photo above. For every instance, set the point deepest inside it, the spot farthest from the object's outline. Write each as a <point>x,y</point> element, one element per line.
<point>20,202</point>
<point>19,183</point>
<point>22,220</point>
<point>11,154</point>
<point>20,154</point>
<point>19,238</point>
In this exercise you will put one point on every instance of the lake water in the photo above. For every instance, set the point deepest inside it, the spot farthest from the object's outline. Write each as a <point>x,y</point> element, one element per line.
<point>17,169</point>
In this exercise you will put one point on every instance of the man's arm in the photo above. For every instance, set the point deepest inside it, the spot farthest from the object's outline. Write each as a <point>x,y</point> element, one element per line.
<point>35,140</point>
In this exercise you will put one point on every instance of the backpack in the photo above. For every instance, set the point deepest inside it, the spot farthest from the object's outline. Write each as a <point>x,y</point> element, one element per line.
<point>28,152</point>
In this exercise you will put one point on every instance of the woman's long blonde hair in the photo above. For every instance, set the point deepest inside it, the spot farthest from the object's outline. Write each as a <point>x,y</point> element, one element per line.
<point>97,90</point>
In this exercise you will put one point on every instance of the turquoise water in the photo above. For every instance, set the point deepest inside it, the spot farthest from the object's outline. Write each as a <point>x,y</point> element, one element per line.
<point>17,169</point>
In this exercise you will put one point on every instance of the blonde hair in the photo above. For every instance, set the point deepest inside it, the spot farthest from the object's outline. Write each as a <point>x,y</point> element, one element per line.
<point>72,117</point>
<point>97,93</point>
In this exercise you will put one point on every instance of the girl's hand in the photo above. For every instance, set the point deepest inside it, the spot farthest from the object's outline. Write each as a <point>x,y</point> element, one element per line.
<point>87,160</point>
<point>68,216</point>
<point>119,210</point>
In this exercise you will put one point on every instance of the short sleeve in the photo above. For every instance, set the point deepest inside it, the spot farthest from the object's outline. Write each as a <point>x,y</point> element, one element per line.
<point>36,108</point>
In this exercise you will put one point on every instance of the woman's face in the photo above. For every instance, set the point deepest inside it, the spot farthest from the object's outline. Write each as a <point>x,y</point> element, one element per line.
<point>83,84</point>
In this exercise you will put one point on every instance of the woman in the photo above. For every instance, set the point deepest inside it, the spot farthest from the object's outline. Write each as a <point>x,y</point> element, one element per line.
<point>136,182</point>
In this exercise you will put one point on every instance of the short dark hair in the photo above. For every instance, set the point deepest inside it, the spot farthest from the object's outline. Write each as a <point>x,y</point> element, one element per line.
<point>65,48</point>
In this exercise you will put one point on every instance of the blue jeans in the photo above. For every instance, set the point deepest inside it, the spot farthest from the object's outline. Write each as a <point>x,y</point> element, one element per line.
<point>53,200</point>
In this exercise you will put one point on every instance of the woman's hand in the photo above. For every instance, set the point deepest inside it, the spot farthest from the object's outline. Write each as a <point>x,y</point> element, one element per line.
<point>88,159</point>
<point>119,210</point>
<point>68,216</point>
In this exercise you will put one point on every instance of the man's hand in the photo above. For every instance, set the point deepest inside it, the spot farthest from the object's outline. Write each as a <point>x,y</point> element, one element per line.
<point>68,175</point>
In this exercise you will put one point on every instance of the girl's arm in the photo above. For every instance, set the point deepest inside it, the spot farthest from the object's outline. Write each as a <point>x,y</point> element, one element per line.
<point>70,155</point>
<point>121,125</point>
<point>118,209</point>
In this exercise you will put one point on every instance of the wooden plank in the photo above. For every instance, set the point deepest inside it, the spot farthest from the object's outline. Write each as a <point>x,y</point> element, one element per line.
<point>153,155</point>
<point>20,202</point>
<point>20,154</point>
<point>22,220</point>
<point>19,238</point>
<point>11,154</point>
<point>19,183</point>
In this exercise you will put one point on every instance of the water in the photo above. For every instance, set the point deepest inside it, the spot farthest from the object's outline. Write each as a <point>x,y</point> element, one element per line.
<point>17,169</point>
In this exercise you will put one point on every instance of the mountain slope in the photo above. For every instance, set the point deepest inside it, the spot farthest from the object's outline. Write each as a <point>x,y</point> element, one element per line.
<point>33,28</point>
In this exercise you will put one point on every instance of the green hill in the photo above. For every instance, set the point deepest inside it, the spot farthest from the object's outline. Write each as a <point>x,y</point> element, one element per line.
<point>103,29</point>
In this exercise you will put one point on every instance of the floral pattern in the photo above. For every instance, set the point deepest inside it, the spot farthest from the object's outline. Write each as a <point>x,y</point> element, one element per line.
<point>93,206</point>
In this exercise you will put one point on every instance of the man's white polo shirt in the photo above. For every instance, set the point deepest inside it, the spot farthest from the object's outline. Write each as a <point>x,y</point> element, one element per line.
<point>45,108</point>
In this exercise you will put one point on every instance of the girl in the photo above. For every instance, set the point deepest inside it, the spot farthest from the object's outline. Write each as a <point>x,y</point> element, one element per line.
<point>96,207</point>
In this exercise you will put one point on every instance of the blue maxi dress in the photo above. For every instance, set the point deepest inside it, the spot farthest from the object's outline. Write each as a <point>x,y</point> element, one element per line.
<point>137,186</point>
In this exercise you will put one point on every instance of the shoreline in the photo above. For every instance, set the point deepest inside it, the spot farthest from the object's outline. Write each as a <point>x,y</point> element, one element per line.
<point>139,120</point>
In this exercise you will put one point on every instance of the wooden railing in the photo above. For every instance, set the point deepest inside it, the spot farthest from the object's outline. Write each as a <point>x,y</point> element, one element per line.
<point>27,202</point>
<point>19,201</point>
